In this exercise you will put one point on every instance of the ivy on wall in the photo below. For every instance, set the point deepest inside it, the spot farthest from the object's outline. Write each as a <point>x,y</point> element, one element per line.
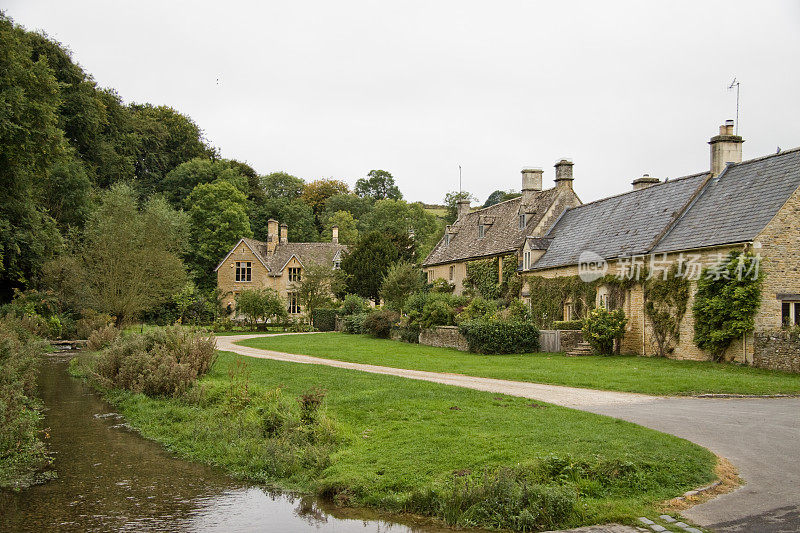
<point>548,296</point>
<point>727,300</point>
<point>483,275</point>
<point>666,296</point>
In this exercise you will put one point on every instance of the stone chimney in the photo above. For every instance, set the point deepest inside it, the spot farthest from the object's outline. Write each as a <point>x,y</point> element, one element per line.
<point>335,234</point>
<point>272,234</point>
<point>531,183</point>
<point>284,233</point>
<point>644,182</point>
<point>462,207</point>
<point>725,148</point>
<point>564,174</point>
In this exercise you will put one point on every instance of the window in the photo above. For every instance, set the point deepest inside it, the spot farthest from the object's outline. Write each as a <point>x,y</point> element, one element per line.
<point>790,313</point>
<point>294,304</point>
<point>430,276</point>
<point>446,239</point>
<point>568,310</point>
<point>602,297</point>
<point>337,264</point>
<point>522,221</point>
<point>527,261</point>
<point>243,270</point>
<point>452,272</point>
<point>294,274</point>
<point>481,231</point>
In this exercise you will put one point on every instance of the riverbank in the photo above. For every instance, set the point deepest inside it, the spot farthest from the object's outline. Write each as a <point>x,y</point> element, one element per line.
<point>468,458</point>
<point>24,459</point>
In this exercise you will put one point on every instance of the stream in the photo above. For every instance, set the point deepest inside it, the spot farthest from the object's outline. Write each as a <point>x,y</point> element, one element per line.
<point>112,479</point>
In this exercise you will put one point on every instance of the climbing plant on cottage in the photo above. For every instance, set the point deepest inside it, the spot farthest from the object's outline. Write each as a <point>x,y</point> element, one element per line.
<point>666,295</point>
<point>727,300</point>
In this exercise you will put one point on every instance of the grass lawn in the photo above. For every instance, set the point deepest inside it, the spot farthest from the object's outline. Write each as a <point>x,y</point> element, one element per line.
<point>470,458</point>
<point>649,375</point>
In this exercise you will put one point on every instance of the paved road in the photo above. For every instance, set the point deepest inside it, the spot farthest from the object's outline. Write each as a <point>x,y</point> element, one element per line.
<point>760,436</point>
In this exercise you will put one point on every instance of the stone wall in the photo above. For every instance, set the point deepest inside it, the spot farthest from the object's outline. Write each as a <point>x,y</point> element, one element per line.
<point>559,340</point>
<point>777,350</point>
<point>444,337</point>
<point>570,338</point>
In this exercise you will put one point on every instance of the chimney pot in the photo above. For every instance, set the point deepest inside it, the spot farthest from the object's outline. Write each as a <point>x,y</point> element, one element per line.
<point>564,174</point>
<point>335,234</point>
<point>644,182</point>
<point>462,207</point>
<point>284,233</point>
<point>272,234</point>
<point>725,148</point>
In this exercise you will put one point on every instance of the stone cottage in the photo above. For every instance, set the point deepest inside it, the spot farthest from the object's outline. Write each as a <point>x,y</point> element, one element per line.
<point>277,264</point>
<point>695,220</point>
<point>501,229</point>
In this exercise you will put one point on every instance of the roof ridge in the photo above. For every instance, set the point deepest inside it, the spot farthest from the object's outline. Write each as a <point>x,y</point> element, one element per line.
<point>768,156</point>
<point>667,182</point>
<point>509,200</point>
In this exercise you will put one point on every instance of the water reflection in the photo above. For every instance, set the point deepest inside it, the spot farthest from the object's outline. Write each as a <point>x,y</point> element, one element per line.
<point>111,479</point>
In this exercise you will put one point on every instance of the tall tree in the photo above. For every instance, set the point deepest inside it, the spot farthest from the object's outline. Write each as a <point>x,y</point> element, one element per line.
<point>296,213</point>
<point>317,192</point>
<point>30,143</point>
<point>500,196</point>
<point>132,257</point>
<point>379,185</point>
<point>348,232</point>
<point>319,282</point>
<point>401,218</point>
<point>181,181</point>
<point>401,281</point>
<point>217,220</point>
<point>451,200</point>
<point>282,185</point>
<point>367,263</point>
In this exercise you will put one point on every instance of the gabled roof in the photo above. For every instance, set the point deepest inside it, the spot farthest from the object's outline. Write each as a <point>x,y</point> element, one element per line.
<point>681,214</point>
<point>502,232</point>
<point>736,205</point>
<point>306,253</point>
<point>626,224</point>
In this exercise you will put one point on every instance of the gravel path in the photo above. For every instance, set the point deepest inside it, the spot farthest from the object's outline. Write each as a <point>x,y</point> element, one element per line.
<point>760,436</point>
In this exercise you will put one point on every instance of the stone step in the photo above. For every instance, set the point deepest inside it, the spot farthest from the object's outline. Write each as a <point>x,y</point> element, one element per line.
<point>583,348</point>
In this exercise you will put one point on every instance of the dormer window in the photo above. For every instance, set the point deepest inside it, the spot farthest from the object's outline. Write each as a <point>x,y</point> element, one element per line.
<point>446,239</point>
<point>522,221</point>
<point>481,231</point>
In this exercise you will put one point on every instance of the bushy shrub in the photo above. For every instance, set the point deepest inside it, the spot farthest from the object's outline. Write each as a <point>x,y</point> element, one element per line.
<point>443,286</point>
<point>222,324</point>
<point>324,319</point>
<point>380,323</point>
<point>601,328</point>
<point>515,312</point>
<point>477,309</point>
<point>494,336</point>
<point>22,453</point>
<point>353,324</point>
<point>158,362</point>
<point>353,304</point>
<point>437,312</point>
<point>568,324</point>
<point>103,337</point>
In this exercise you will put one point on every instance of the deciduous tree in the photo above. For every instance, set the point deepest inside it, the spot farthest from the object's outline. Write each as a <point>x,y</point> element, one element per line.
<point>379,185</point>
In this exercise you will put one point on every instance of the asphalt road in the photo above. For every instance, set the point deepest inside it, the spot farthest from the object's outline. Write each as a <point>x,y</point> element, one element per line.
<point>760,436</point>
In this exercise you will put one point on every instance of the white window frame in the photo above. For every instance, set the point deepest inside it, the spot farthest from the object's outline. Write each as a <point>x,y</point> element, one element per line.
<point>452,272</point>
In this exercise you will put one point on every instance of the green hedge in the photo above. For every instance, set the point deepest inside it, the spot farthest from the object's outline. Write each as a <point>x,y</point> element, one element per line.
<point>379,323</point>
<point>493,336</point>
<point>568,324</point>
<point>324,319</point>
<point>354,324</point>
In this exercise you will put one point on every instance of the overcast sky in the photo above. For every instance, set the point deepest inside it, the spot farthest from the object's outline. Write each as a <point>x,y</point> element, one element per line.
<point>334,89</point>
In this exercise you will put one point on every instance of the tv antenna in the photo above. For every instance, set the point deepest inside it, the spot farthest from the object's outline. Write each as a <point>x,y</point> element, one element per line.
<point>733,84</point>
<point>459,179</point>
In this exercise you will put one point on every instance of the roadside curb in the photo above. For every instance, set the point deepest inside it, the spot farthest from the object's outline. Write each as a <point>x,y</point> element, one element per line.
<point>749,396</point>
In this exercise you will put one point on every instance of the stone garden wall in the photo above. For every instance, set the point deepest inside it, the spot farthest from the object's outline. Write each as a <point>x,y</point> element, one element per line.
<point>444,337</point>
<point>777,350</point>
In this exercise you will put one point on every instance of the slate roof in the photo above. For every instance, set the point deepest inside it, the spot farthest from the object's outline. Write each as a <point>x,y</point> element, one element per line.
<point>625,224</point>
<point>738,204</point>
<point>306,252</point>
<point>502,236</point>
<point>678,215</point>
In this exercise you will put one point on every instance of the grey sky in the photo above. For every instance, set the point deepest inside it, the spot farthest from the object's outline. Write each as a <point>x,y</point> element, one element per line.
<point>334,89</point>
